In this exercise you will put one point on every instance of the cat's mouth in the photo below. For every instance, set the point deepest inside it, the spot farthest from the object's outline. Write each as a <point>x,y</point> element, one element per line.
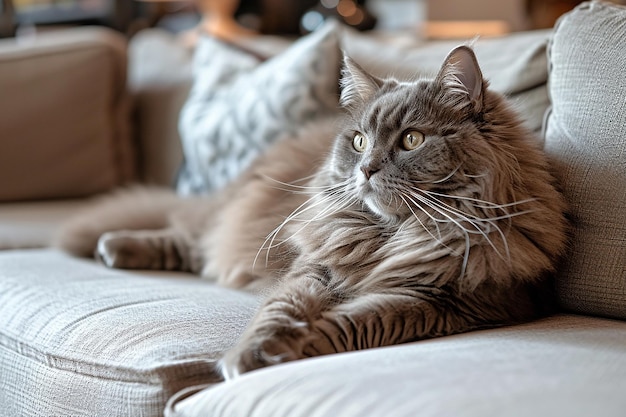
<point>388,211</point>
<point>380,200</point>
<point>369,190</point>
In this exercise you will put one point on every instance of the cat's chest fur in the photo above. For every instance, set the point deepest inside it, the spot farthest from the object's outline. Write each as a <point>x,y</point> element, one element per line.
<point>363,252</point>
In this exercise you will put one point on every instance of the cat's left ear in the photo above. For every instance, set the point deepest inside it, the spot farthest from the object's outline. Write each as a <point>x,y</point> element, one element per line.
<point>462,78</point>
<point>357,85</point>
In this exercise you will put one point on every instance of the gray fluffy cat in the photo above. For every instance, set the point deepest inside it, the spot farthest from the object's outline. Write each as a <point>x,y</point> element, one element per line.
<point>427,210</point>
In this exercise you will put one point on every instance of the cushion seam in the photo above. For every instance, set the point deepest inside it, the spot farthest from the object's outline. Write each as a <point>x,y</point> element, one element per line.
<point>58,362</point>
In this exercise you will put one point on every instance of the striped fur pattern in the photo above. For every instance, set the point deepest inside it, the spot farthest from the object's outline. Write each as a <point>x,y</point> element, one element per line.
<point>427,210</point>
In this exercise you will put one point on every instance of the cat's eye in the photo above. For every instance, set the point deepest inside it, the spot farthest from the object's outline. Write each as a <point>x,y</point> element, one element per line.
<point>359,142</point>
<point>412,139</point>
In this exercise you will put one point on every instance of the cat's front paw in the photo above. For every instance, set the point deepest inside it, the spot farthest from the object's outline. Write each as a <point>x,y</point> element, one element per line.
<point>265,349</point>
<point>125,250</point>
<point>109,250</point>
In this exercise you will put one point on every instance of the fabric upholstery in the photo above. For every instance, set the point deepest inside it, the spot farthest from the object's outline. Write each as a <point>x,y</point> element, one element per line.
<point>33,224</point>
<point>64,115</point>
<point>562,366</point>
<point>79,339</point>
<point>586,139</point>
<point>159,79</point>
<point>239,106</point>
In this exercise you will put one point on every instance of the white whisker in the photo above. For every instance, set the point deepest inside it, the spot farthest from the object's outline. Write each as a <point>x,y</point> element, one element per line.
<point>303,189</point>
<point>438,239</point>
<point>481,226</point>
<point>483,203</point>
<point>444,179</point>
<point>323,196</point>
<point>465,231</point>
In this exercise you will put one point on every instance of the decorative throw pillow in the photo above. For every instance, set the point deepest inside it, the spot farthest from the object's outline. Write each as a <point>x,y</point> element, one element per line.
<point>586,138</point>
<point>239,105</point>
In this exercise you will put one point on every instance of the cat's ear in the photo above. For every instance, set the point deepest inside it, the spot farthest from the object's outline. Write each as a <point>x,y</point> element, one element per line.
<point>357,86</point>
<point>462,79</point>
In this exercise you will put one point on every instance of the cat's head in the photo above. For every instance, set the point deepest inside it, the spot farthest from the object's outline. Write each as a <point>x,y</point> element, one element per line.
<point>445,135</point>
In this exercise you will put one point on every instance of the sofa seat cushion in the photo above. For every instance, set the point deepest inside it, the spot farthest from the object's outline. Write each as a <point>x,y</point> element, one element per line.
<point>561,366</point>
<point>79,339</point>
<point>586,139</point>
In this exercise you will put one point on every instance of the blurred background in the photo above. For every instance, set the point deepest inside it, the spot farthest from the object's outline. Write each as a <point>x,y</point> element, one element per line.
<point>428,18</point>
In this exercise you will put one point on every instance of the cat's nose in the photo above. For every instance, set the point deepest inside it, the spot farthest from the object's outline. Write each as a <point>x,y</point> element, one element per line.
<point>369,171</point>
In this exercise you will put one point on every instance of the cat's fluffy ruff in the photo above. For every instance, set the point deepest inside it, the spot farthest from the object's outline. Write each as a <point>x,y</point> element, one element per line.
<point>383,244</point>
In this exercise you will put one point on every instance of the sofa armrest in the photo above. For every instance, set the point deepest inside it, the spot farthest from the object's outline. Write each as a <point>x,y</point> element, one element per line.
<point>64,115</point>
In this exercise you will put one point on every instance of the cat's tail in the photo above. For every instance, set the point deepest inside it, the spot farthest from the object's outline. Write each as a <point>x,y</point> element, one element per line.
<point>136,208</point>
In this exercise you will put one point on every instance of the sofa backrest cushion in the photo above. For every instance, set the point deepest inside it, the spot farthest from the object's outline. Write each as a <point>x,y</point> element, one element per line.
<point>64,115</point>
<point>515,65</point>
<point>586,138</point>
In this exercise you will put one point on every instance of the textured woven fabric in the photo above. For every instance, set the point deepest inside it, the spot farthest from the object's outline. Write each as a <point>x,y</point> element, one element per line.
<point>77,339</point>
<point>563,366</point>
<point>238,106</point>
<point>586,138</point>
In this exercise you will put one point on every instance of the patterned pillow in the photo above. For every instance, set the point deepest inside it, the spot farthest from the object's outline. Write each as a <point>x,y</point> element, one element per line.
<point>239,105</point>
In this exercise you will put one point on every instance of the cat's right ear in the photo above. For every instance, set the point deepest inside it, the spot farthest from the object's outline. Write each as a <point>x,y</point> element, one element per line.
<point>357,86</point>
<point>462,79</point>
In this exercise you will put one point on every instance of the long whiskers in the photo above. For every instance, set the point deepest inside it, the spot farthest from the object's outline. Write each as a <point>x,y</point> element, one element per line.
<point>438,238</point>
<point>465,231</point>
<point>332,198</point>
<point>479,225</point>
<point>441,180</point>
<point>480,203</point>
<point>298,189</point>
<point>466,222</point>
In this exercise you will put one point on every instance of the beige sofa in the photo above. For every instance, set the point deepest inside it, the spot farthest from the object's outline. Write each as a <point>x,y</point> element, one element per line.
<point>82,112</point>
